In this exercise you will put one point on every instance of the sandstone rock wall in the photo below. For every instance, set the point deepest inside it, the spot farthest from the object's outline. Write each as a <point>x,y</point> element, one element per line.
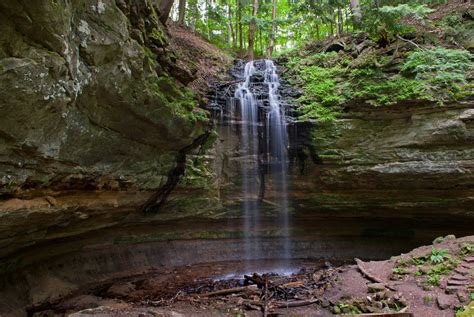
<point>95,114</point>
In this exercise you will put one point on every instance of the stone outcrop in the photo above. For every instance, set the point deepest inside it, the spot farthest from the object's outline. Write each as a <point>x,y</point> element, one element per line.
<point>410,160</point>
<point>95,116</point>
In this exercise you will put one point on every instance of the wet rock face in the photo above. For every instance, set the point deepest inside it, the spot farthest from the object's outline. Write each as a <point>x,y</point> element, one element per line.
<point>90,99</point>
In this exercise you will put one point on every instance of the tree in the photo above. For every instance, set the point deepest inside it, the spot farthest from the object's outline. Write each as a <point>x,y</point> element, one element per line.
<point>252,26</point>
<point>356,13</point>
<point>241,28</point>
<point>230,25</point>
<point>165,9</point>
<point>273,30</point>
<point>182,11</point>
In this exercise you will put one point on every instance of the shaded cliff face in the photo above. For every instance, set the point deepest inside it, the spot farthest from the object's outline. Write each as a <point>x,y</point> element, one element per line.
<point>87,91</point>
<point>95,116</point>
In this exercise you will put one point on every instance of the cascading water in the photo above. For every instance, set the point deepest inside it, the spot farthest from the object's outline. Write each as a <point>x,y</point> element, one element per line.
<point>277,143</point>
<point>249,140</point>
<point>269,150</point>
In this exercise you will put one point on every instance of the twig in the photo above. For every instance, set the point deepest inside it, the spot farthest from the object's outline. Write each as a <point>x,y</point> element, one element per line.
<point>408,41</point>
<point>227,291</point>
<point>265,300</point>
<point>299,303</point>
<point>391,59</point>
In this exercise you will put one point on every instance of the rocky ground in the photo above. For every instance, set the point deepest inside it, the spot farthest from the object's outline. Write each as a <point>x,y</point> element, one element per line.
<point>435,280</point>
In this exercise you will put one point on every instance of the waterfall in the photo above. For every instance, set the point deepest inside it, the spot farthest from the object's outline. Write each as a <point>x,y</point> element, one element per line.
<point>249,166</point>
<point>269,147</point>
<point>277,143</point>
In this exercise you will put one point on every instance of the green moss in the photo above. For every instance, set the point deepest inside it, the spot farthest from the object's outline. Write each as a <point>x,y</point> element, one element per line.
<point>392,91</point>
<point>331,81</point>
<point>198,174</point>
<point>444,70</point>
<point>158,36</point>
<point>150,56</point>
<point>322,95</point>
<point>181,101</point>
<point>468,311</point>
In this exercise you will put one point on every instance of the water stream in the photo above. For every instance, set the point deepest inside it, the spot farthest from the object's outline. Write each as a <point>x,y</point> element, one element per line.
<point>264,142</point>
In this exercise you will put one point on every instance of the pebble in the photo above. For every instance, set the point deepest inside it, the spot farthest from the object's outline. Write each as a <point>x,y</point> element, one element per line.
<point>376,287</point>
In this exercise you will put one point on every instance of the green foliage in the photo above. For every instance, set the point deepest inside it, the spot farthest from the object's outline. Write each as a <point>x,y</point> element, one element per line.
<point>390,17</point>
<point>438,255</point>
<point>391,91</point>
<point>404,262</point>
<point>443,69</point>
<point>434,280</point>
<point>466,249</point>
<point>317,111</point>
<point>321,94</point>
<point>468,311</point>
<point>438,64</point>
<point>400,271</point>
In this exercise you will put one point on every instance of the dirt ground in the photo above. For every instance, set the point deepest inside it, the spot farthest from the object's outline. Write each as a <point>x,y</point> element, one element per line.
<point>434,280</point>
<point>205,61</point>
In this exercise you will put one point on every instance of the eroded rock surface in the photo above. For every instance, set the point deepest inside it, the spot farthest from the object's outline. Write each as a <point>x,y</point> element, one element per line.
<point>95,116</point>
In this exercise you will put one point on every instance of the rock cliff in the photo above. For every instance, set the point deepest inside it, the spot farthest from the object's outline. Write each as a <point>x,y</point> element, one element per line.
<point>97,116</point>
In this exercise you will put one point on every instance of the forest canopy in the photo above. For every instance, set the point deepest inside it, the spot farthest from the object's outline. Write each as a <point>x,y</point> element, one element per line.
<point>260,27</point>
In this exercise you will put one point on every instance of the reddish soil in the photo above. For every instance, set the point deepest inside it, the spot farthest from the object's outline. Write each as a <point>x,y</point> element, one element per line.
<point>208,63</point>
<point>339,288</point>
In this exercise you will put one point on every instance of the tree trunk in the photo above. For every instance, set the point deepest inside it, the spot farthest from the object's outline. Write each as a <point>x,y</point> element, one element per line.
<point>356,13</point>
<point>317,31</point>
<point>194,19</point>
<point>182,11</point>
<point>340,23</point>
<point>165,9</point>
<point>208,25</point>
<point>231,27</point>
<point>241,32</point>
<point>252,25</point>
<point>271,46</point>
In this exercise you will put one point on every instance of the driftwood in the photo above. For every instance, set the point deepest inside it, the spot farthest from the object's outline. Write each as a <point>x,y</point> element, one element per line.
<point>369,276</point>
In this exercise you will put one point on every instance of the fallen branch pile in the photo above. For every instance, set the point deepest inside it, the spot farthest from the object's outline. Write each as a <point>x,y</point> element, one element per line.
<point>264,293</point>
